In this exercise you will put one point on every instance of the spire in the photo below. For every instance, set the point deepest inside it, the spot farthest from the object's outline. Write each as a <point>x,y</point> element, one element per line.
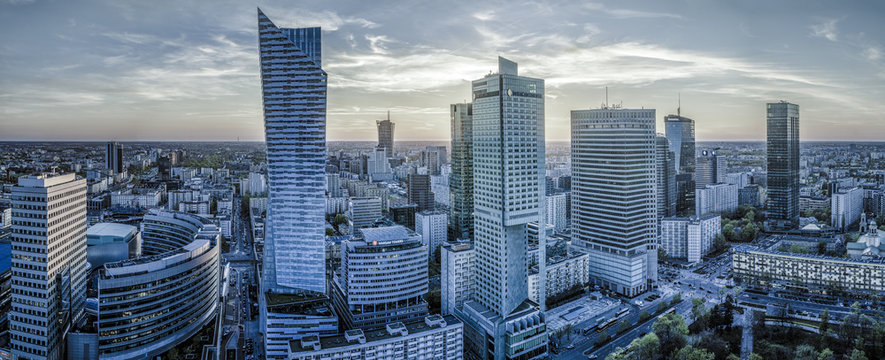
<point>679,105</point>
<point>388,115</point>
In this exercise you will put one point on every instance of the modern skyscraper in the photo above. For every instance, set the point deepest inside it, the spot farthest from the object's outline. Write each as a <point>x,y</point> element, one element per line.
<point>614,195</point>
<point>710,169</point>
<point>385,135</point>
<point>461,179</point>
<point>419,192</point>
<point>508,139</point>
<point>680,131</point>
<point>48,263</point>
<point>783,164</point>
<point>113,157</point>
<point>666,178</point>
<point>294,96</point>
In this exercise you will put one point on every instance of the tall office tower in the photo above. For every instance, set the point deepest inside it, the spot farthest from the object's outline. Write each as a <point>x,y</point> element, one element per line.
<point>456,275</point>
<point>419,192</point>
<point>614,195</point>
<point>680,131</point>
<point>48,263</point>
<point>433,158</point>
<point>461,179</point>
<point>385,135</point>
<point>508,153</point>
<point>710,169</point>
<point>113,157</point>
<point>432,226</point>
<point>383,278</point>
<point>783,164</point>
<point>294,95</point>
<point>666,178</point>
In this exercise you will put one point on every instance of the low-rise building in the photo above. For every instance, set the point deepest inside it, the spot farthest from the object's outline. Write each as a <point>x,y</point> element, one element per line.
<point>563,273</point>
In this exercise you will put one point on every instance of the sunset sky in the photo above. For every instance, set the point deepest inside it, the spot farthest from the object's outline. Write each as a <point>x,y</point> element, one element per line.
<point>188,70</point>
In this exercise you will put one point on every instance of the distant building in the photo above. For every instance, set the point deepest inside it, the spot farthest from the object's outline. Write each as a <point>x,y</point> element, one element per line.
<point>871,242</point>
<point>404,215</point>
<point>749,195</point>
<point>113,157</point>
<point>846,208</point>
<point>383,278</point>
<point>666,178</point>
<point>456,278</point>
<point>783,164</point>
<point>711,169</point>
<point>691,238</point>
<point>432,226</point>
<point>433,337</point>
<point>716,199</point>
<point>556,215</point>
<point>419,192</point>
<point>363,212</point>
<point>385,135</point>
<point>681,135</point>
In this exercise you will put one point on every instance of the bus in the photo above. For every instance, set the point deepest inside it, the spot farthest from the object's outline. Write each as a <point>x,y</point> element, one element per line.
<point>607,324</point>
<point>671,311</point>
<point>622,312</point>
<point>593,327</point>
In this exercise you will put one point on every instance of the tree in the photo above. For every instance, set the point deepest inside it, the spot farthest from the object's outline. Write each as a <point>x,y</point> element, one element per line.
<point>662,254</point>
<point>714,344</point>
<point>603,338</point>
<point>618,354</point>
<point>824,322</point>
<point>662,307</point>
<point>340,219</point>
<point>733,357</point>
<point>330,232</point>
<point>805,352</point>
<point>748,232</point>
<point>644,315</point>
<point>623,326</point>
<point>646,347</point>
<point>719,242</point>
<point>728,232</point>
<point>826,354</point>
<point>755,356</point>
<point>672,332</point>
<point>691,353</point>
<point>821,247</point>
<point>858,355</point>
<point>697,307</point>
<point>676,299</point>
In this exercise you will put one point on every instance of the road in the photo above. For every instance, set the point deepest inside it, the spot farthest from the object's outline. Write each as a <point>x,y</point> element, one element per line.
<point>239,317</point>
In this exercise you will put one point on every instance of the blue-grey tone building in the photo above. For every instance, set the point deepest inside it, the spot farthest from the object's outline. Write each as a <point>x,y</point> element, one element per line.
<point>461,178</point>
<point>508,153</point>
<point>680,131</point>
<point>110,242</point>
<point>293,86</point>
<point>783,164</point>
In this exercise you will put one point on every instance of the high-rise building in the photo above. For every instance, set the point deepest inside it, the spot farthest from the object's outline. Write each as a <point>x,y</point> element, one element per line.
<point>749,195</point>
<point>113,157</point>
<point>783,164</point>
<point>456,275</point>
<point>846,207</point>
<point>680,131</point>
<point>461,179</point>
<point>556,211</point>
<point>508,153</point>
<point>666,178</point>
<point>710,169</point>
<point>419,192</point>
<point>689,238</point>
<point>614,195</point>
<point>385,135</point>
<point>404,215</point>
<point>434,157</point>
<point>432,225</point>
<point>294,95</point>
<point>293,302</point>
<point>716,199</point>
<point>48,263</point>
<point>363,211</point>
<point>383,278</point>
<point>378,167</point>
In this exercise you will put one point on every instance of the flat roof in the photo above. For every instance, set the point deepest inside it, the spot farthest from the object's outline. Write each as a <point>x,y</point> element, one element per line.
<point>387,233</point>
<point>110,230</point>
<point>413,327</point>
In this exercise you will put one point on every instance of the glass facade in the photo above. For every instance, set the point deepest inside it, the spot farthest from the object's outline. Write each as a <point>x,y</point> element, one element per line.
<point>461,179</point>
<point>783,163</point>
<point>294,95</point>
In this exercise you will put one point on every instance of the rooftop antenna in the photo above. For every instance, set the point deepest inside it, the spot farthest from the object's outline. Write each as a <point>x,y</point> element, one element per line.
<point>606,98</point>
<point>679,104</point>
<point>388,115</point>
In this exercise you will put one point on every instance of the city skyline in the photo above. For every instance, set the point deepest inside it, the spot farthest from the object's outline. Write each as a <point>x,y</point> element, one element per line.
<point>142,72</point>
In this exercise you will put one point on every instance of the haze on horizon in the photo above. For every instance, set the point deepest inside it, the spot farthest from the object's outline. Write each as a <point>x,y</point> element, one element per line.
<point>188,70</point>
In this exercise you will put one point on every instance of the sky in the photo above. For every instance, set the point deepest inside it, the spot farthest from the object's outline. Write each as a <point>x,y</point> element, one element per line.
<point>189,70</point>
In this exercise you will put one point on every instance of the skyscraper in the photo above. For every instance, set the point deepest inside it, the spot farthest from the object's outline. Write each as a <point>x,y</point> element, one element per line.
<point>710,169</point>
<point>783,164</point>
<point>419,192</point>
<point>666,178</point>
<point>48,263</point>
<point>385,135</point>
<point>461,179</point>
<point>113,157</point>
<point>614,195</point>
<point>294,96</point>
<point>680,131</point>
<point>508,154</point>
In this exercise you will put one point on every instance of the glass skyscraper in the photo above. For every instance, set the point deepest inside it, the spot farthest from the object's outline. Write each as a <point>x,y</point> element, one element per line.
<point>614,195</point>
<point>508,188</point>
<point>294,94</point>
<point>783,164</point>
<point>680,131</point>
<point>461,178</point>
<point>385,135</point>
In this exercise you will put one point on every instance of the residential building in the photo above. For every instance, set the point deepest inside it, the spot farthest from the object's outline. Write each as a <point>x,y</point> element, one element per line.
<point>783,164</point>
<point>556,215</point>
<point>689,239</point>
<point>749,195</point>
<point>385,135</point>
<point>48,265</point>
<point>434,337</point>
<point>614,211</point>
<point>432,225</point>
<point>508,154</point>
<point>419,192</point>
<point>564,273</point>
<point>461,180</point>
<point>378,167</point>
<point>383,278</point>
<point>716,198</point>
<point>846,208</point>
<point>457,277</point>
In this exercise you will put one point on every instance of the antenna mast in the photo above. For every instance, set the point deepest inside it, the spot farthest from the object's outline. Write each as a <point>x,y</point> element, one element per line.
<point>679,105</point>
<point>606,97</point>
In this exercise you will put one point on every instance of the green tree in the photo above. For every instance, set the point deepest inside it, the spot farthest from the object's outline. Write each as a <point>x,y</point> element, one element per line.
<point>733,357</point>
<point>728,232</point>
<point>662,254</point>
<point>646,347</point>
<point>755,356</point>
<point>715,344</point>
<point>805,352</point>
<point>618,354</point>
<point>698,309</point>
<point>662,307</point>
<point>330,232</point>
<point>644,315</point>
<point>824,322</point>
<point>719,242</point>
<point>748,232</point>
<point>858,355</point>
<point>826,354</point>
<point>623,326</point>
<point>676,299</point>
<point>691,353</point>
<point>340,219</point>
<point>672,332</point>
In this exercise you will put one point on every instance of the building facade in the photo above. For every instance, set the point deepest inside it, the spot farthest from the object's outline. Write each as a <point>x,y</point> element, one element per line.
<point>689,239</point>
<point>385,135</point>
<point>666,178</point>
<point>679,130</point>
<point>563,273</point>
<point>461,179</point>
<point>556,211</point>
<point>783,164</point>
<point>716,199</point>
<point>113,157</point>
<point>614,211</point>
<point>362,212</point>
<point>294,98</point>
<point>846,207</point>
<point>433,228</point>
<point>710,169</point>
<point>456,278</point>
<point>420,193</point>
<point>48,263</point>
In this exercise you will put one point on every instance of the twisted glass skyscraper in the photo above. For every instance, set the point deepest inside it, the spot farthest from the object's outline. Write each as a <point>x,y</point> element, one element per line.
<point>293,86</point>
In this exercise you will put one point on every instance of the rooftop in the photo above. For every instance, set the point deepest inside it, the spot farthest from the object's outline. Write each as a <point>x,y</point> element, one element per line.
<point>110,230</point>
<point>306,303</point>
<point>428,323</point>
<point>386,233</point>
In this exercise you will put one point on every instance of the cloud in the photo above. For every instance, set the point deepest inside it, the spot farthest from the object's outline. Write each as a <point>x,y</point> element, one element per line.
<point>826,29</point>
<point>627,13</point>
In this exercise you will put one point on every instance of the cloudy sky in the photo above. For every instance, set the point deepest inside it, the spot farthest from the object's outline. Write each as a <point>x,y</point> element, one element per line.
<point>188,70</point>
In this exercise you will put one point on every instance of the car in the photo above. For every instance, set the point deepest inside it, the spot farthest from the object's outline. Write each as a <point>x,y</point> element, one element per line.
<point>592,357</point>
<point>571,346</point>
